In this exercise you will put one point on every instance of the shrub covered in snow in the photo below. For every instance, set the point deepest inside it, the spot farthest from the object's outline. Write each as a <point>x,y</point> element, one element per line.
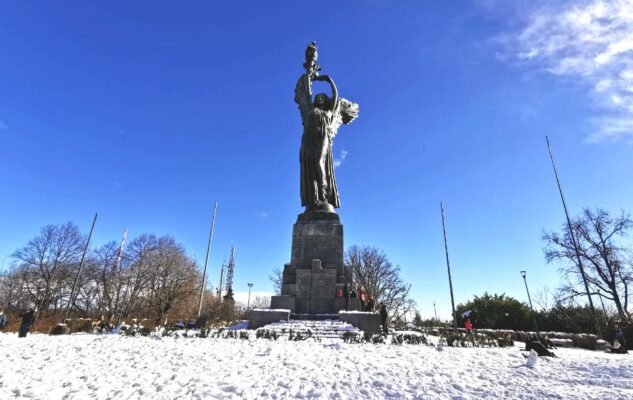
<point>299,335</point>
<point>265,333</point>
<point>408,337</point>
<point>226,333</point>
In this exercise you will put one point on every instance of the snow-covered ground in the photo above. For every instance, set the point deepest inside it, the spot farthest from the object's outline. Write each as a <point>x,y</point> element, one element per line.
<point>117,367</point>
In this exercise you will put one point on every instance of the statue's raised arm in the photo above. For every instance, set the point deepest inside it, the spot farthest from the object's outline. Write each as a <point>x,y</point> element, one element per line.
<point>333,104</point>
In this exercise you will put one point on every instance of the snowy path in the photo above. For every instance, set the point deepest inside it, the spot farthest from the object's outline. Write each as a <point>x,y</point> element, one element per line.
<point>109,367</point>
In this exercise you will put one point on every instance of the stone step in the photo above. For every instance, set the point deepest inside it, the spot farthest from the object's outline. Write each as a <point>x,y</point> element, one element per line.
<point>314,317</point>
<point>329,329</point>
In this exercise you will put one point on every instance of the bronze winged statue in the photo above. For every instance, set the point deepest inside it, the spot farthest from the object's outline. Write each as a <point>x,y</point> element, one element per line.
<point>321,120</point>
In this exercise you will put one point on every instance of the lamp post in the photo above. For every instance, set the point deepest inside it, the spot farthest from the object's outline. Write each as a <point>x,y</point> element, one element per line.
<point>523,274</point>
<point>248,304</point>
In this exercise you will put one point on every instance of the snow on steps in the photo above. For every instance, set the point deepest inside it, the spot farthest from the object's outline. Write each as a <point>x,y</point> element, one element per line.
<point>329,329</point>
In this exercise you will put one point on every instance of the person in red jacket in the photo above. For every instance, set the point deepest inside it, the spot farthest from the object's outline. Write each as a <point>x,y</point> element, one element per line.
<point>362,296</point>
<point>468,325</point>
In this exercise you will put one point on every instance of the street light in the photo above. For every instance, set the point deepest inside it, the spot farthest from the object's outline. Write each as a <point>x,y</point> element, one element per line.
<point>523,273</point>
<point>248,304</point>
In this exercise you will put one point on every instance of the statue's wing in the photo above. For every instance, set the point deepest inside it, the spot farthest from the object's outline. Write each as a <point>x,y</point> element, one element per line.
<point>348,111</point>
<point>345,112</point>
<point>303,95</point>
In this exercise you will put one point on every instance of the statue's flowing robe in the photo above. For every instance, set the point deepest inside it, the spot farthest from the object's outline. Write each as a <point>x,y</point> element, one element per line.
<point>318,183</point>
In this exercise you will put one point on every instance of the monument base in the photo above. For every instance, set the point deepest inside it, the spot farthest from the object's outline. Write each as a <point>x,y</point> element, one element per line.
<point>365,321</point>
<point>316,272</point>
<point>258,318</point>
<point>284,302</point>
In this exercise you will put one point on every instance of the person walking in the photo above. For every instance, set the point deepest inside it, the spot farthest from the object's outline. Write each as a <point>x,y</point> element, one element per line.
<point>347,293</point>
<point>362,296</point>
<point>28,318</point>
<point>383,319</point>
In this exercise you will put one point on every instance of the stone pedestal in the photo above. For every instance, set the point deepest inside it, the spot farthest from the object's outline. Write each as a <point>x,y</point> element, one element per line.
<point>316,269</point>
<point>258,318</point>
<point>365,321</point>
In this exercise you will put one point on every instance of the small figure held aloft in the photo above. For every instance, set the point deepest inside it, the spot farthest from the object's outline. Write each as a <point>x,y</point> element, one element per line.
<point>311,67</point>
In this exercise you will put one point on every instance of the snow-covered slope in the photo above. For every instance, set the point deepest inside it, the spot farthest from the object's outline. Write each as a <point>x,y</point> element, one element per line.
<point>116,367</point>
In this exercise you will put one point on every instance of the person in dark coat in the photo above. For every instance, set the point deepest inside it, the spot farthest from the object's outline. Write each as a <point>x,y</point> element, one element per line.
<point>28,318</point>
<point>370,304</point>
<point>384,316</point>
<point>534,344</point>
<point>620,337</point>
<point>347,293</point>
<point>619,343</point>
<point>3,320</point>
<point>545,340</point>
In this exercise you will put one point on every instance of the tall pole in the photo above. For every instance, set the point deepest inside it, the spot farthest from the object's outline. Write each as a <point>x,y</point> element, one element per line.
<point>523,274</point>
<point>448,267</point>
<point>248,304</point>
<point>206,260</point>
<point>117,266</point>
<point>573,239</point>
<point>434,311</point>
<point>81,263</point>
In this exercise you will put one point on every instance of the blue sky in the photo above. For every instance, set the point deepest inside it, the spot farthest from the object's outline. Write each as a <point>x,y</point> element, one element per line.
<point>149,112</point>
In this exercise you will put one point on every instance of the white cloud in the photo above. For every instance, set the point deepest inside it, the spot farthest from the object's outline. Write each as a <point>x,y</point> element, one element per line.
<point>590,41</point>
<point>3,125</point>
<point>262,214</point>
<point>341,159</point>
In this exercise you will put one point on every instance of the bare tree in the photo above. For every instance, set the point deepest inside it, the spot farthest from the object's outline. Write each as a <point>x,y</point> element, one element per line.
<point>381,279</point>
<point>48,259</point>
<point>277,279</point>
<point>155,278</point>
<point>173,279</point>
<point>607,265</point>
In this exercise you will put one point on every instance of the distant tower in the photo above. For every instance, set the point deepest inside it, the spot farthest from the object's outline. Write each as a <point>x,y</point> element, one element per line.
<point>221,279</point>
<point>229,275</point>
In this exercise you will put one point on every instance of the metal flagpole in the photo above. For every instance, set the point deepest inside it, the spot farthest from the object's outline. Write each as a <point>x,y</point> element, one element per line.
<point>448,267</point>
<point>523,274</point>
<point>83,256</point>
<point>573,239</point>
<point>206,260</point>
<point>117,265</point>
